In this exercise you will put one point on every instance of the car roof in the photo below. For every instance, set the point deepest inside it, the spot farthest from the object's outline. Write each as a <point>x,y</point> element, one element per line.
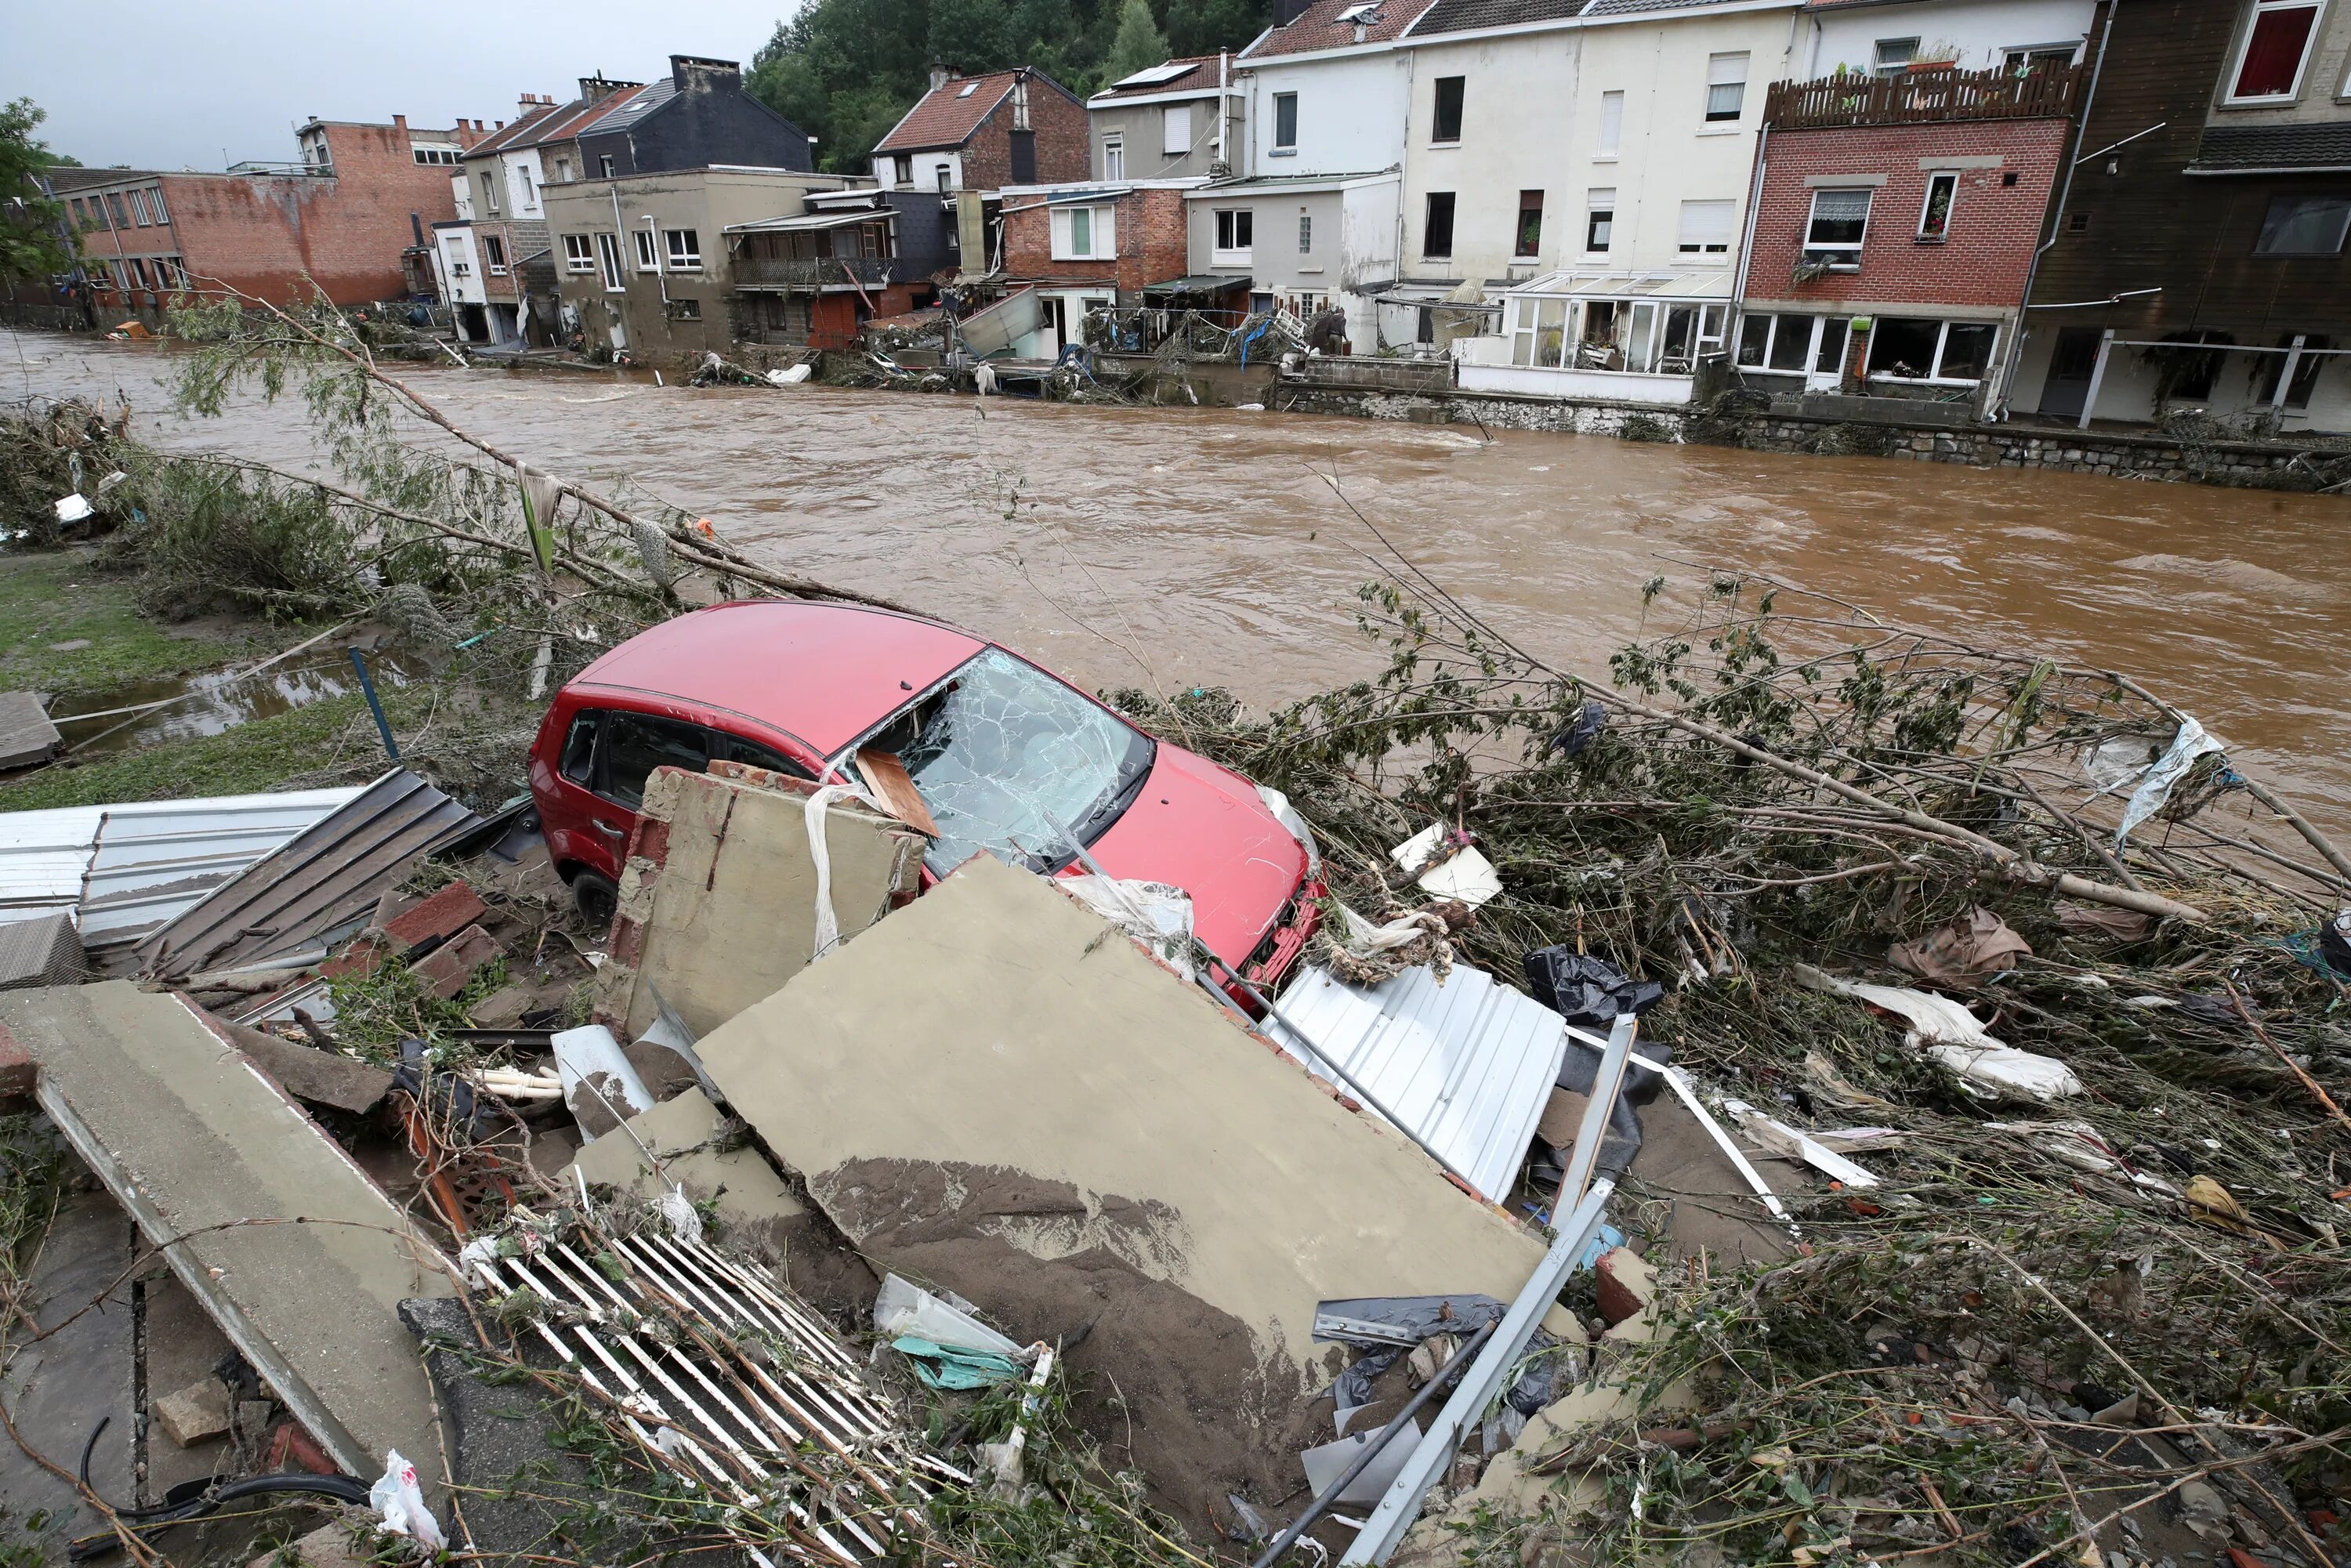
<point>824,673</point>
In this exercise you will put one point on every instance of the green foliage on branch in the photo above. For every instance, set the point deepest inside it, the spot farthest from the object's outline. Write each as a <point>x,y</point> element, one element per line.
<point>32,240</point>
<point>846,71</point>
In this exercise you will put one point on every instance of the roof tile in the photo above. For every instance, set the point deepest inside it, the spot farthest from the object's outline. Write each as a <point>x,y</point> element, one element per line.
<point>1319,27</point>
<point>946,116</point>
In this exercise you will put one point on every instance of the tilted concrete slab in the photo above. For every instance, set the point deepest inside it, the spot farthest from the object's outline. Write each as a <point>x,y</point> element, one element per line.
<point>717,899</point>
<point>27,735</point>
<point>190,1136</point>
<point>996,1091</point>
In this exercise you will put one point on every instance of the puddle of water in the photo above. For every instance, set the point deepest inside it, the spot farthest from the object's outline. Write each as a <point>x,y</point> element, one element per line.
<point>215,701</point>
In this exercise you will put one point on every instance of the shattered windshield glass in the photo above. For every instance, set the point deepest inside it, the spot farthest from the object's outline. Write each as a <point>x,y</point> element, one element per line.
<point>1005,757</point>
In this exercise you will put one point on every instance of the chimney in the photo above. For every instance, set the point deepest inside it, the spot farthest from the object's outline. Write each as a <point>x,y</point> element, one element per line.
<point>416,227</point>
<point>1285,12</point>
<point>693,74</point>
<point>940,75</point>
<point>400,123</point>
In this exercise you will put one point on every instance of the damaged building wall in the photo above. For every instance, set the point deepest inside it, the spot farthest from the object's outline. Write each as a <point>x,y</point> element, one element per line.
<point>1054,1126</point>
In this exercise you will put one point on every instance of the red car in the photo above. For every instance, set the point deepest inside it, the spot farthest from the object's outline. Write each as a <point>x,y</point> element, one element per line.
<point>1009,759</point>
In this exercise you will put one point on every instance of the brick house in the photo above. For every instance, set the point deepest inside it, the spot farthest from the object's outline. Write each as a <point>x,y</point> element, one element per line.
<point>1895,225</point>
<point>340,219</point>
<point>495,253</point>
<point>2200,261</point>
<point>979,133</point>
<point>1081,246</point>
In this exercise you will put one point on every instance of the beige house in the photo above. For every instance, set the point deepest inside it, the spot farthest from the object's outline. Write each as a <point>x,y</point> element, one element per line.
<point>643,260</point>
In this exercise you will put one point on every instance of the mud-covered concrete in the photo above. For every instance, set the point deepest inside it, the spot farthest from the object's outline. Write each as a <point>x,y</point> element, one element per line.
<point>996,1091</point>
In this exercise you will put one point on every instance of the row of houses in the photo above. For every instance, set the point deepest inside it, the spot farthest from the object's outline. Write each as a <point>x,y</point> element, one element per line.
<point>2070,209</point>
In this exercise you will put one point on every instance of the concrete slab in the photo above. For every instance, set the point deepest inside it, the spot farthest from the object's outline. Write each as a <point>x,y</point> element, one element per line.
<point>996,1091</point>
<point>26,736</point>
<point>717,901</point>
<point>292,1250</point>
<point>688,1136</point>
<point>60,1389</point>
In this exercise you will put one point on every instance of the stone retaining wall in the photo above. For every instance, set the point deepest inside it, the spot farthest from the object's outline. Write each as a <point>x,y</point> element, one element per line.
<point>2275,465</point>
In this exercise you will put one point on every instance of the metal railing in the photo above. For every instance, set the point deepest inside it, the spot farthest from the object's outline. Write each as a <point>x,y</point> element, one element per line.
<point>1922,97</point>
<point>811,272</point>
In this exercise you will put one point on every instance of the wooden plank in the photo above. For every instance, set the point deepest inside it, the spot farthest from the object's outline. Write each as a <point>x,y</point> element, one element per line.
<point>893,786</point>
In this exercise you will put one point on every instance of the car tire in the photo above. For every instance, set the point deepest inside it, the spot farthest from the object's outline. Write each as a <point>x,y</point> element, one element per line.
<point>596,899</point>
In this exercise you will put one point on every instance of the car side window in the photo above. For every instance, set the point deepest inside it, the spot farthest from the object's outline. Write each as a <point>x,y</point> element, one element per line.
<point>636,744</point>
<point>725,748</point>
<point>579,745</point>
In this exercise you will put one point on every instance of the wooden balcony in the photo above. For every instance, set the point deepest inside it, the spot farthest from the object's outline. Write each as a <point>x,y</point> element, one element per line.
<point>1918,97</point>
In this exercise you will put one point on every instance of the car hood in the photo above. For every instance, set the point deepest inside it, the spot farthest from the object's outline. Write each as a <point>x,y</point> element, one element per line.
<point>1204,830</point>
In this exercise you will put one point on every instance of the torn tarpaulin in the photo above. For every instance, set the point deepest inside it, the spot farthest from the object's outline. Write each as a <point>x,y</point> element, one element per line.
<point>1387,1327</point>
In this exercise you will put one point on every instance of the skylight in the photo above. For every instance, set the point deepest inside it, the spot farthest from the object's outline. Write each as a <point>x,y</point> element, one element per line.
<point>1360,13</point>
<point>1154,76</point>
<point>969,88</point>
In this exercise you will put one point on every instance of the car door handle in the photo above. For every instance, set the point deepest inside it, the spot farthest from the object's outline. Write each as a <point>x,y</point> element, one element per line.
<point>609,831</point>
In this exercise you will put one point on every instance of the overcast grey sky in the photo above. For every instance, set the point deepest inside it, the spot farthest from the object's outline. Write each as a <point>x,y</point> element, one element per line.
<point>167,86</point>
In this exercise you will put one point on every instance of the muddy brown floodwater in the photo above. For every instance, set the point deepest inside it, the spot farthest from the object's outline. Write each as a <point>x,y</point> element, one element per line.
<point>1204,547</point>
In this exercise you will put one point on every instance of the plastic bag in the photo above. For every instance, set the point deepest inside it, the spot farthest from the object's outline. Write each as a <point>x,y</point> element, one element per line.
<point>401,1503</point>
<point>905,1309</point>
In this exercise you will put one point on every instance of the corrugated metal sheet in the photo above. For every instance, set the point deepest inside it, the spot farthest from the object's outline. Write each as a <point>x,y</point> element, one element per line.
<point>123,868</point>
<point>1468,1065</point>
<point>330,875</point>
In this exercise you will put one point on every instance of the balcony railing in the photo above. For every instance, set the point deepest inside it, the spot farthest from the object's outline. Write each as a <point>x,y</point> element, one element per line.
<point>1922,97</point>
<point>814,272</point>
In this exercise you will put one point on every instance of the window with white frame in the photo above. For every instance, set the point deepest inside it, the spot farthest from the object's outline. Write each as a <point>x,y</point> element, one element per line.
<point>1305,231</point>
<point>684,249</point>
<point>1599,219</point>
<point>529,192</point>
<point>1285,122</point>
<point>1706,227</point>
<point>1176,130</point>
<point>1236,235</point>
<point>2303,226</point>
<point>1085,233</point>
<point>1791,345</point>
<point>1612,125</point>
<point>1115,157</point>
<point>1839,223</point>
<point>608,261</point>
<point>494,255</point>
<point>155,205</point>
<point>2275,50</point>
<point>1935,211</point>
<point>1538,331</point>
<point>604,166</point>
<point>578,256</point>
<point>1921,348</point>
<point>1725,87</point>
<point>2023,62</point>
<point>563,170</point>
<point>490,190</point>
<point>424,154</point>
<point>1892,57</point>
<point>648,253</point>
<point>139,209</point>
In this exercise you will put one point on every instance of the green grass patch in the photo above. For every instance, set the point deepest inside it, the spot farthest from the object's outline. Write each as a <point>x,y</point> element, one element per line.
<point>61,596</point>
<point>262,754</point>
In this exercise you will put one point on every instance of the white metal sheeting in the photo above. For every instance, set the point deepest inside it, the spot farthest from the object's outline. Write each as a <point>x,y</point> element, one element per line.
<point>1468,1066</point>
<point>125,868</point>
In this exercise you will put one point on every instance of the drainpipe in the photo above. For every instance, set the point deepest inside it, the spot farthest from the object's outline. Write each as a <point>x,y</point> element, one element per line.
<point>619,236</point>
<point>1224,112</point>
<point>1747,239</point>
<point>2056,219</point>
<point>661,265</point>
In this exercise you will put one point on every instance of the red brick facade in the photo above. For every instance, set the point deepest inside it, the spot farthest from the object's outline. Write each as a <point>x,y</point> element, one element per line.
<point>1063,132</point>
<point>1152,247</point>
<point>264,234</point>
<point>1994,224</point>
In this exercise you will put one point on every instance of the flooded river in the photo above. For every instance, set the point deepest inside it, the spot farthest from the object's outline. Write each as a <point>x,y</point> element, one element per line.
<point>1208,544</point>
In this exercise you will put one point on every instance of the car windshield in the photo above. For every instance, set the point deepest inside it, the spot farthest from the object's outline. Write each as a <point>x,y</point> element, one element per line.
<point>1011,761</point>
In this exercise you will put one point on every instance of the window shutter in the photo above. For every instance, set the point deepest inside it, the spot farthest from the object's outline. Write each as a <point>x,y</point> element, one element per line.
<point>1176,129</point>
<point>1105,231</point>
<point>1706,222</point>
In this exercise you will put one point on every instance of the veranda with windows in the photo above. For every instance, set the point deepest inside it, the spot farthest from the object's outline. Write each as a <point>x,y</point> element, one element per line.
<point>1638,337</point>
